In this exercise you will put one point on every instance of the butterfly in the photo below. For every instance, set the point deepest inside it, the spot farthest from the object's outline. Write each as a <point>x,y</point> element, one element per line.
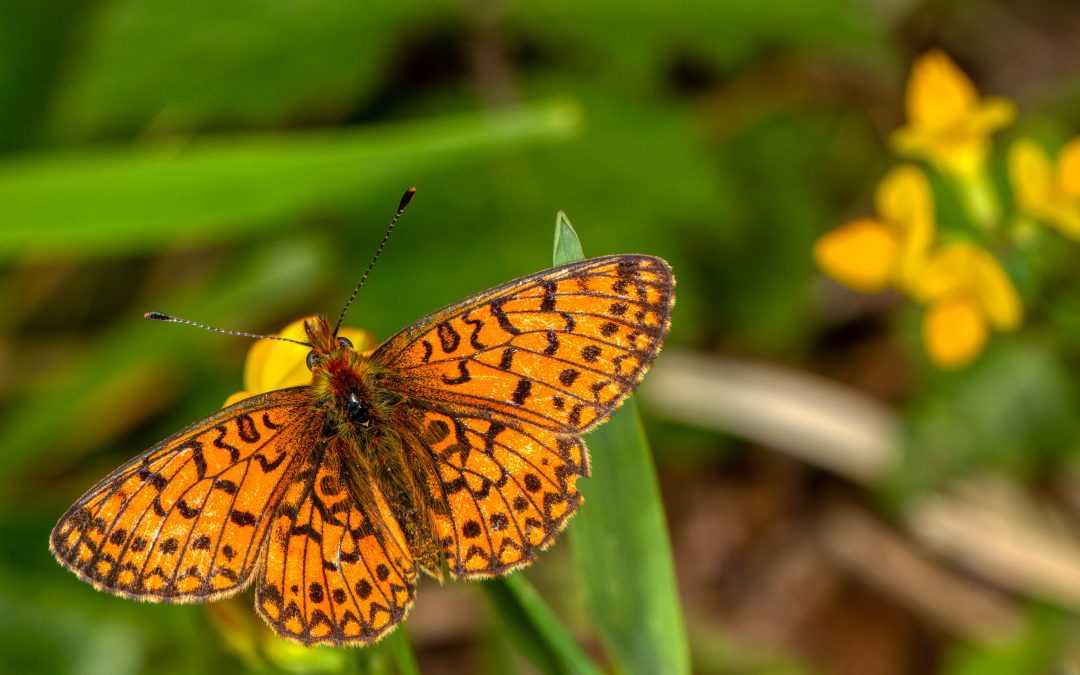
<point>454,445</point>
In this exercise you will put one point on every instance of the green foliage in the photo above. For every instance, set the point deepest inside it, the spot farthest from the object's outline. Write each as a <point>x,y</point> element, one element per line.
<point>620,541</point>
<point>235,163</point>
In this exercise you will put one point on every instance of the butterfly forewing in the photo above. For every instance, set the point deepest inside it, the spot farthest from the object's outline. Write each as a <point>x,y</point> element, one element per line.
<point>509,379</point>
<point>185,521</point>
<point>333,574</point>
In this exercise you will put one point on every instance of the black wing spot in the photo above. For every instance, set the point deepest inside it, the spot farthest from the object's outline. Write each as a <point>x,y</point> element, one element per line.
<point>474,337</point>
<point>363,589</point>
<point>552,344</point>
<point>462,378</point>
<point>449,339</point>
<point>590,353</point>
<point>245,426</point>
<point>507,360</point>
<point>504,321</point>
<point>243,518</point>
<point>226,486</point>
<point>186,510</point>
<point>568,377</point>
<point>548,302</point>
<point>471,529</point>
<point>524,388</point>
<point>532,482</point>
<point>219,442</point>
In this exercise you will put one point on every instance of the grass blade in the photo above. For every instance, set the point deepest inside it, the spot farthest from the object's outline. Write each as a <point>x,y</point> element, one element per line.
<point>620,539</point>
<point>535,629</point>
<point>119,200</point>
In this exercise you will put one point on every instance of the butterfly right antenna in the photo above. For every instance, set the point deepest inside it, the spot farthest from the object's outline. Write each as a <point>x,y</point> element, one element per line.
<point>405,199</point>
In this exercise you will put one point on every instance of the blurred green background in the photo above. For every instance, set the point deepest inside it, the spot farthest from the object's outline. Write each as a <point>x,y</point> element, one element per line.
<point>835,504</point>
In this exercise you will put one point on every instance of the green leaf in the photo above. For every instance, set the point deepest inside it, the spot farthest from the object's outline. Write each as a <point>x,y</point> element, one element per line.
<point>404,658</point>
<point>620,540</point>
<point>567,244</point>
<point>535,629</point>
<point>121,199</point>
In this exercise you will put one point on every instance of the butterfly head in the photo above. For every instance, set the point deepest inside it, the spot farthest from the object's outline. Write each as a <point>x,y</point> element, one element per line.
<point>343,379</point>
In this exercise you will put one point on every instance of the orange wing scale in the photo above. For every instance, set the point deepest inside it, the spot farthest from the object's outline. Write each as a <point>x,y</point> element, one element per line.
<point>185,522</point>
<point>509,380</point>
<point>332,574</point>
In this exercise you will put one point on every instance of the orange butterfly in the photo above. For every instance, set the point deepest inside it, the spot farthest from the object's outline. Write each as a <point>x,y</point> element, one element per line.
<point>458,440</point>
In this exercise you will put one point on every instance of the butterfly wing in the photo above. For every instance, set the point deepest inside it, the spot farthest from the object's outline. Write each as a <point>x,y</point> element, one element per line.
<point>333,574</point>
<point>185,521</point>
<point>508,380</point>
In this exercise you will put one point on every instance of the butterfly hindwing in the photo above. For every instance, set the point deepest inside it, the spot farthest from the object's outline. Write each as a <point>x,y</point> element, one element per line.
<point>184,522</point>
<point>333,574</point>
<point>509,487</point>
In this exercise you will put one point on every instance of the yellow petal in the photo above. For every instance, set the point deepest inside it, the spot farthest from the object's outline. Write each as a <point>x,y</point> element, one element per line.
<point>954,331</point>
<point>969,270</point>
<point>1069,170</point>
<point>904,200</point>
<point>861,255</point>
<point>1030,173</point>
<point>272,364</point>
<point>994,113</point>
<point>939,94</point>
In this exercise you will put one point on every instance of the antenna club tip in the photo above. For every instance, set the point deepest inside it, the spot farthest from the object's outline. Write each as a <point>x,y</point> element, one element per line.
<point>157,316</point>
<point>406,198</point>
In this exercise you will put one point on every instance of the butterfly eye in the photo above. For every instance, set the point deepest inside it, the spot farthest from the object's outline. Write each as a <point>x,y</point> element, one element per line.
<point>311,360</point>
<point>345,342</point>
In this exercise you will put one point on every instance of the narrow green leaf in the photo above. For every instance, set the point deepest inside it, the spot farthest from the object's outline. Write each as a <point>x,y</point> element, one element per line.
<point>620,540</point>
<point>398,642</point>
<point>123,199</point>
<point>535,629</point>
<point>567,244</point>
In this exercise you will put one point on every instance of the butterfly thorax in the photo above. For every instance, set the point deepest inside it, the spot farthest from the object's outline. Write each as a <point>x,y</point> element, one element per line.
<point>362,424</point>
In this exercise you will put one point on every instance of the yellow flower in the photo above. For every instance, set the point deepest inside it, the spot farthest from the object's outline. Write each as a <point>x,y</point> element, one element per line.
<point>874,254</point>
<point>948,124</point>
<point>1045,192</point>
<point>272,364</point>
<point>968,293</point>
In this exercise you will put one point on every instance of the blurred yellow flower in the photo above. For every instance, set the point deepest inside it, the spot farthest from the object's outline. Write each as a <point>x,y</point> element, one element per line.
<point>874,254</point>
<point>272,364</point>
<point>968,293</point>
<point>1045,192</point>
<point>948,124</point>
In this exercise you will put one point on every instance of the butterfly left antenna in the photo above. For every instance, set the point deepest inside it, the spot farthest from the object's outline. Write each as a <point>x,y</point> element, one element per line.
<point>405,199</point>
<point>158,316</point>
